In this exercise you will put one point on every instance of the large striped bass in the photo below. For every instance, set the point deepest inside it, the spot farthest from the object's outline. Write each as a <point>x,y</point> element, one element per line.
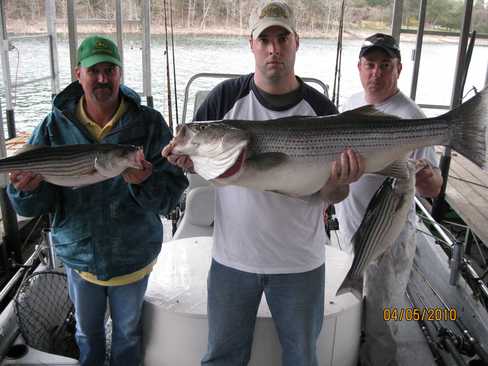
<point>294,155</point>
<point>384,219</point>
<point>74,165</point>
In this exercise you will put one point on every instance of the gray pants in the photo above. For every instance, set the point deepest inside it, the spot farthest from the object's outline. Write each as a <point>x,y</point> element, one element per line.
<point>385,282</point>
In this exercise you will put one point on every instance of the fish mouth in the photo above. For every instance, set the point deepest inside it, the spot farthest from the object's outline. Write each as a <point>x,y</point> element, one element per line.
<point>235,168</point>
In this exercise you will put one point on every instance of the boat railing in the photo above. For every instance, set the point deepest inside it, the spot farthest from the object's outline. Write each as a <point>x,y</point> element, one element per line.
<point>457,260</point>
<point>324,87</point>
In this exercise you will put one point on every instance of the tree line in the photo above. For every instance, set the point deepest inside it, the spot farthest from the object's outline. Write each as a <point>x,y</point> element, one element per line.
<point>313,16</point>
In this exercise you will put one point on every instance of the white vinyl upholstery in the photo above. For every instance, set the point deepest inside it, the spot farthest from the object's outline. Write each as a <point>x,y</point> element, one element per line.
<point>199,213</point>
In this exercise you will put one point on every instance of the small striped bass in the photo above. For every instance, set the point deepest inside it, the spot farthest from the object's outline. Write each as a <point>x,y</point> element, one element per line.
<point>382,224</point>
<point>74,165</point>
<point>294,155</point>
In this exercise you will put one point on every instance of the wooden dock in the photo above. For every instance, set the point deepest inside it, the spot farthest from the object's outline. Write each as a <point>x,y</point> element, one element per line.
<point>467,194</point>
<point>14,144</point>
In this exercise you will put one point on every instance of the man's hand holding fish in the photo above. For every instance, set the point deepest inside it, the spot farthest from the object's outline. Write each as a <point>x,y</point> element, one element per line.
<point>182,161</point>
<point>427,181</point>
<point>348,169</point>
<point>25,181</point>
<point>137,176</point>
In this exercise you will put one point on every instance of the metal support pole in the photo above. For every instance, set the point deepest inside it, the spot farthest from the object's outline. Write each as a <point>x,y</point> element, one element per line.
<point>53,45</point>
<point>118,26</point>
<point>486,78</point>
<point>418,49</point>
<point>396,22</point>
<point>9,217</point>
<point>72,37</point>
<point>439,205</point>
<point>146,52</point>
<point>3,150</point>
<point>7,82</point>
<point>10,227</point>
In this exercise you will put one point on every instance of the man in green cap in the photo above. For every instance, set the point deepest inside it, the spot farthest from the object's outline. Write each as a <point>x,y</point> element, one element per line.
<point>109,234</point>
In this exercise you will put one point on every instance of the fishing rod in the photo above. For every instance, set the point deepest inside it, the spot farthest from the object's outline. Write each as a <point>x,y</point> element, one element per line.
<point>337,73</point>
<point>448,339</point>
<point>468,338</point>
<point>447,242</point>
<point>170,112</point>
<point>174,62</point>
<point>174,215</point>
<point>429,337</point>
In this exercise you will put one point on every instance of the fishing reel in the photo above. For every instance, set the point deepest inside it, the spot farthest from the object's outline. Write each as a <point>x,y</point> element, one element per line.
<point>330,221</point>
<point>463,346</point>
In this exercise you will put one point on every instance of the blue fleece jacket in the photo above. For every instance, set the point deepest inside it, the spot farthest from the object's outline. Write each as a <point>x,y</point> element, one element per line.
<point>109,228</point>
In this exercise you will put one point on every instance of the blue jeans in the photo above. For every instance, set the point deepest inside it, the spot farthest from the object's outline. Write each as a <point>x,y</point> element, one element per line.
<point>296,302</point>
<point>125,303</point>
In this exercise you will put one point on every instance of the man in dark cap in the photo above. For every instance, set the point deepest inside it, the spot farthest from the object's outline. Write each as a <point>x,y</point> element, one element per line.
<point>108,234</point>
<point>386,278</point>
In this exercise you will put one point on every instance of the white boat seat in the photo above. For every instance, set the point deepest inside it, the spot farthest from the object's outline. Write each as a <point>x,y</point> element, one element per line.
<point>200,96</point>
<point>198,218</point>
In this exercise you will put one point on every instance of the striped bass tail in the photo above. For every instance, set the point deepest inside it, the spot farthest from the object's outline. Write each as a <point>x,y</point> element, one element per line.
<point>468,124</point>
<point>353,285</point>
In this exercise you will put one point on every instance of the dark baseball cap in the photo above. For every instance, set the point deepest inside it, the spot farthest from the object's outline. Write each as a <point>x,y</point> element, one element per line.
<point>383,41</point>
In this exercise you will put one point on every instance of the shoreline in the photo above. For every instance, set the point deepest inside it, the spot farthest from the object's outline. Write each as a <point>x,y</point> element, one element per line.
<point>18,27</point>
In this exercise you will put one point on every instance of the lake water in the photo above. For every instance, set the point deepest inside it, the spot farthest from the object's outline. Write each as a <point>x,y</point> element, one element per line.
<point>315,58</point>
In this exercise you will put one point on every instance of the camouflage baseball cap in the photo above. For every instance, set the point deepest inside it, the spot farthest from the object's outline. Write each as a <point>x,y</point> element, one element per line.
<point>271,13</point>
<point>96,49</point>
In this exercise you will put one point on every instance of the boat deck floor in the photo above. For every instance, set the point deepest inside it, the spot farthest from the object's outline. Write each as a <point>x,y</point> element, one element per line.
<point>467,194</point>
<point>412,348</point>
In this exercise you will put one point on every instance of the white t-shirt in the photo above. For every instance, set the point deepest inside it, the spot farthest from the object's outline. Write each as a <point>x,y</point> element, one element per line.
<point>350,212</point>
<point>265,232</point>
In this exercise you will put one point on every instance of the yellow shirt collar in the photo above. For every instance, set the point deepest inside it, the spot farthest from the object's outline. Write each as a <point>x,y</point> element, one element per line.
<point>94,128</point>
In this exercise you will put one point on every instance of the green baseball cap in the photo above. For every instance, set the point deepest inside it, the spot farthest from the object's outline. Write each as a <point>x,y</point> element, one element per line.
<point>96,49</point>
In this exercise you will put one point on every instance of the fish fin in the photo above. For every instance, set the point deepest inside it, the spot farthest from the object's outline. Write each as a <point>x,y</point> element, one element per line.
<point>355,286</point>
<point>468,127</point>
<point>367,111</point>
<point>267,161</point>
<point>397,169</point>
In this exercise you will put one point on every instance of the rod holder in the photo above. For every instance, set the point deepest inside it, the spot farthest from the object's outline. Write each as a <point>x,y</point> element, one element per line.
<point>456,262</point>
<point>48,247</point>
